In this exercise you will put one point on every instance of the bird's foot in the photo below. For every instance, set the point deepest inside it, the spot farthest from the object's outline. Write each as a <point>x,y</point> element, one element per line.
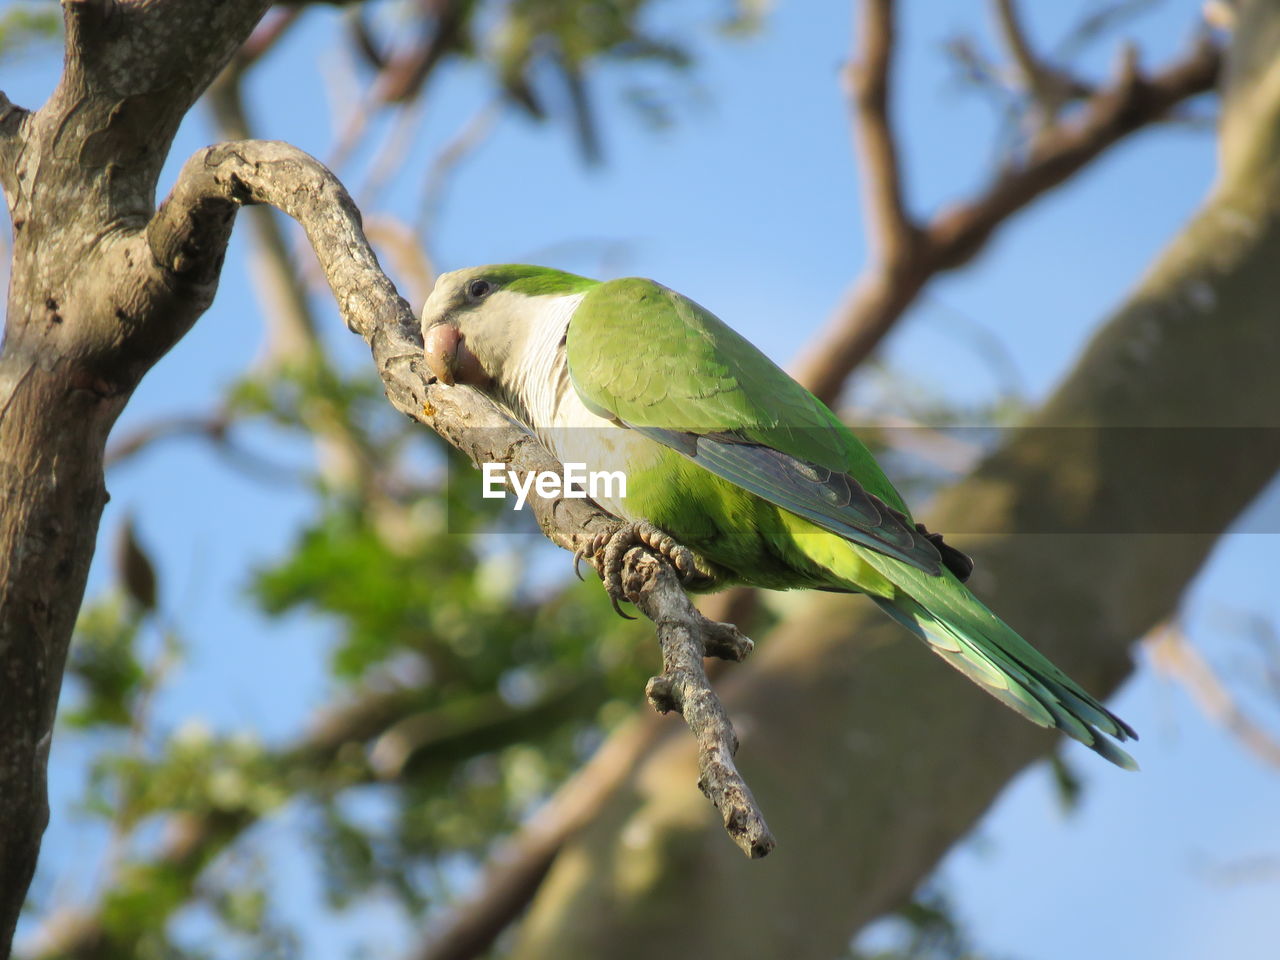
<point>607,550</point>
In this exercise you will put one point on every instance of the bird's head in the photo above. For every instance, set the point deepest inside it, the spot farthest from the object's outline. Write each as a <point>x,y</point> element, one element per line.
<point>475,319</point>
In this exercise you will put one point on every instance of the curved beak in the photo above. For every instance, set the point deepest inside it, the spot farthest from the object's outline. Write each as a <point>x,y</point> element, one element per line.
<point>443,341</point>
<point>450,360</point>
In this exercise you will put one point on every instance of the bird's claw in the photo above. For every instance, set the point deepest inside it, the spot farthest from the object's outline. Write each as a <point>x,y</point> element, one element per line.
<point>607,551</point>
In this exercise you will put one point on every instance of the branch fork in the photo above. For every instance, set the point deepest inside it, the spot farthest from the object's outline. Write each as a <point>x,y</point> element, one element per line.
<point>908,251</point>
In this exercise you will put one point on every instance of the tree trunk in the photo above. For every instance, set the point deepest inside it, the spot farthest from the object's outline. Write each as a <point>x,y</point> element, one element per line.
<point>90,309</point>
<point>870,758</point>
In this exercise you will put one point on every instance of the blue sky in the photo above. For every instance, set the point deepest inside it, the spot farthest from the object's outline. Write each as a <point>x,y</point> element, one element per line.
<point>748,203</point>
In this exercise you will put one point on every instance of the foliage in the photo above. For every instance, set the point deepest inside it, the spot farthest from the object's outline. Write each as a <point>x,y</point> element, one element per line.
<point>541,55</point>
<point>105,664</point>
<point>924,928</point>
<point>25,27</point>
<point>495,687</point>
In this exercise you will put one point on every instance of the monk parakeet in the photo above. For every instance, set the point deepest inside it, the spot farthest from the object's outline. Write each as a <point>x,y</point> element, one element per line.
<point>733,459</point>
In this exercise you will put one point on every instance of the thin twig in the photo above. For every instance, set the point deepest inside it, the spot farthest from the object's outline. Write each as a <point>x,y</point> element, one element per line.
<point>955,235</point>
<point>1172,653</point>
<point>266,35</point>
<point>686,637</point>
<point>207,426</point>
<point>286,309</point>
<point>411,263</point>
<point>868,79</point>
<point>351,128</point>
<point>1015,39</point>
<point>473,133</point>
<point>405,73</point>
<point>293,339</point>
<point>390,158</point>
<point>1048,86</point>
<point>215,428</point>
<point>515,872</point>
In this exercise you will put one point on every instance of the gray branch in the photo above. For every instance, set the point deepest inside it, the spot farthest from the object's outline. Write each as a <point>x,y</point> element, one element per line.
<point>187,236</point>
<point>686,636</point>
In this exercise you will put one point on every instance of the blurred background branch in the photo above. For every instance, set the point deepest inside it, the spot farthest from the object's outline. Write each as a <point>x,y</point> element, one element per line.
<point>911,255</point>
<point>1173,654</point>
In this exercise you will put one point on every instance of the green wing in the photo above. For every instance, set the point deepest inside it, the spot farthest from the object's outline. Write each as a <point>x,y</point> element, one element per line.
<point>664,366</point>
<point>660,364</point>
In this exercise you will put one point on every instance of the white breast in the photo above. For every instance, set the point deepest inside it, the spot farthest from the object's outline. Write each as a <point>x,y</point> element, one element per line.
<point>557,415</point>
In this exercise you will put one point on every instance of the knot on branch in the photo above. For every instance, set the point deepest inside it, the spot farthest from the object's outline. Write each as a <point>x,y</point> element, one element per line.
<point>686,636</point>
<point>661,695</point>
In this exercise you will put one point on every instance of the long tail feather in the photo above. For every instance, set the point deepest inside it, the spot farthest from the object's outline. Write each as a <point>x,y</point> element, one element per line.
<point>960,629</point>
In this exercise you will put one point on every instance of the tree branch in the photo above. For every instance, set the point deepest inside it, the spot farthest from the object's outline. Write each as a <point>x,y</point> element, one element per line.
<point>515,872</point>
<point>403,75</point>
<point>686,637</point>
<point>291,324</point>
<point>869,79</point>
<point>293,341</point>
<point>12,120</point>
<point>954,236</point>
<point>268,33</point>
<point>185,232</point>
<point>214,427</point>
<point>1047,86</point>
<point>229,175</point>
<point>377,718</point>
<point>1131,102</point>
<point>1172,653</point>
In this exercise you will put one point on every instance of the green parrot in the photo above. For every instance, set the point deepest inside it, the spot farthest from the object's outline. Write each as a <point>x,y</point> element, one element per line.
<point>731,458</point>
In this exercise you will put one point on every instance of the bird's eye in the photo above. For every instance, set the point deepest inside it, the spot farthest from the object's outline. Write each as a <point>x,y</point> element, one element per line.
<point>478,288</point>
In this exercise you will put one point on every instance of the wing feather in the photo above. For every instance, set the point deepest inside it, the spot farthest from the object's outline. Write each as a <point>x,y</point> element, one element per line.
<point>832,500</point>
<point>657,362</point>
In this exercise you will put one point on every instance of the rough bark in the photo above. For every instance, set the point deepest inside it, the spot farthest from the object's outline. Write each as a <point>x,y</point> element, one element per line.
<point>852,734</point>
<point>89,311</point>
